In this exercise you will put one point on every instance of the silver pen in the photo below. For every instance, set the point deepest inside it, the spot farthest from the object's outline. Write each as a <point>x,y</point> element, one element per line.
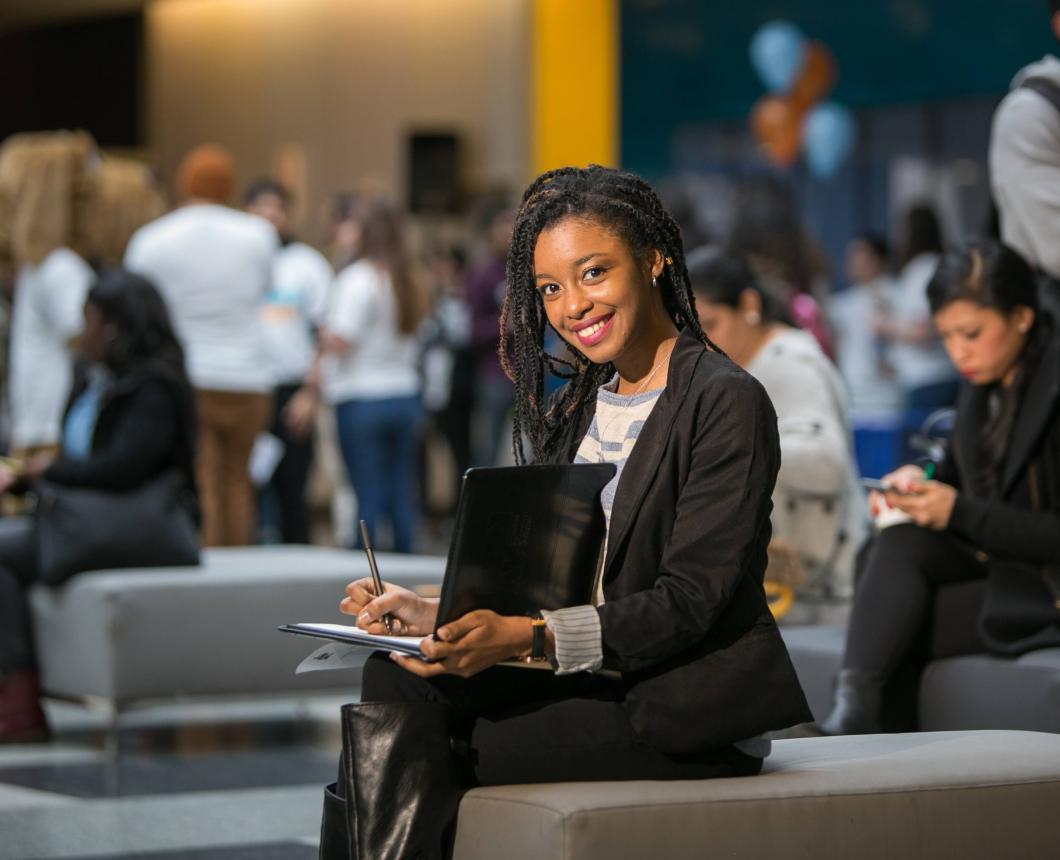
<point>377,583</point>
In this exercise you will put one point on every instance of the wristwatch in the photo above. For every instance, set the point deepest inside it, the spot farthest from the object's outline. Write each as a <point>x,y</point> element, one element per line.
<point>537,643</point>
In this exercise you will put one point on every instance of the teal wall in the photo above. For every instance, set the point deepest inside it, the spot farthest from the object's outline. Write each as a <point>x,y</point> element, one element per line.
<point>686,62</point>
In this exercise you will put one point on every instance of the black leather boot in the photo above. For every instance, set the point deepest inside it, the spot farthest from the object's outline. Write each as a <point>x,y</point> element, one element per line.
<point>401,784</point>
<point>856,706</point>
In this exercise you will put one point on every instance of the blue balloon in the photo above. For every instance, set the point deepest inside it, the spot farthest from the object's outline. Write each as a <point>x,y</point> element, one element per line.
<point>829,133</point>
<point>777,53</point>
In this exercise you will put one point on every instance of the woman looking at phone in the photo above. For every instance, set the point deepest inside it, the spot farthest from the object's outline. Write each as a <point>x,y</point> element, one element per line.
<point>699,671</point>
<point>992,510</point>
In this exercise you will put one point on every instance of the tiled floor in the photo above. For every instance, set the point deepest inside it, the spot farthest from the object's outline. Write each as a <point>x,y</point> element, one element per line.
<point>215,781</point>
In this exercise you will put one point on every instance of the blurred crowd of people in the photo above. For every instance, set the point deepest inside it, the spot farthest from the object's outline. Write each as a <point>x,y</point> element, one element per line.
<point>379,357</point>
<point>389,350</point>
<point>389,353</point>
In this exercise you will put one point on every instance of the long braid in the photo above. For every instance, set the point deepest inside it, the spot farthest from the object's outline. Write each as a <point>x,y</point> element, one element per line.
<point>623,202</point>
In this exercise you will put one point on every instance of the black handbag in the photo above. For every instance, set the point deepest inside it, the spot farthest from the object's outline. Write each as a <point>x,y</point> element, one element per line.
<point>82,528</point>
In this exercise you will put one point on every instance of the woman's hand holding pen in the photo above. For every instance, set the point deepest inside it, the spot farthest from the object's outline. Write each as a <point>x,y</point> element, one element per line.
<point>471,643</point>
<point>410,614</point>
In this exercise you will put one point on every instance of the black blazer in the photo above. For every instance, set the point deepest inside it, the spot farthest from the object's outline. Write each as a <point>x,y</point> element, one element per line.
<point>1018,533</point>
<point>685,619</point>
<point>146,426</point>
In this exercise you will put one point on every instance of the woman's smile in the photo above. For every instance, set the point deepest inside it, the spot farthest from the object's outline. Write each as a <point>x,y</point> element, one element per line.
<point>591,332</point>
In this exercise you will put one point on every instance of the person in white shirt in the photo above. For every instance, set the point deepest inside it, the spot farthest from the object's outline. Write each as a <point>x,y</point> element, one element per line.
<point>818,506</point>
<point>925,373</point>
<point>861,353</point>
<point>46,318</point>
<point>369,372</point>
<point>290,315</point>
<point>213,266</point>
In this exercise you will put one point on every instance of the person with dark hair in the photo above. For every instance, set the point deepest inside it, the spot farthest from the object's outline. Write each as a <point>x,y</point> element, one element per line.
<point>368,364</point>
<point>856,314</point>
<point>679,611</point>
<point>292,310</point>
<point>130,418</point>
<point>1025,162</point>
<point>213,266</point>
<point>767,231</point>
<point>992,510</point>
<point>819,509</point>
<point>924,373</point>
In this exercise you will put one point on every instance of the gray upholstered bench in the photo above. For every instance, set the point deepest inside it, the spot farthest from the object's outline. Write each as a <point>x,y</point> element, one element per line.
<point>133,635</point>
<point>973,692</point>
<point>950,794</point>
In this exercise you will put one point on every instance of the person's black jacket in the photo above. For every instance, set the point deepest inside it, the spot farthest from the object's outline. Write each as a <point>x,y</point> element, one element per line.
<point>1018,533</point>
<point>685,619</point>
<point>145,426</point>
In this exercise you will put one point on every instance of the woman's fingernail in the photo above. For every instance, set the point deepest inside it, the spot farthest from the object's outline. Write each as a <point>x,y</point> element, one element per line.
<point>364,616</point>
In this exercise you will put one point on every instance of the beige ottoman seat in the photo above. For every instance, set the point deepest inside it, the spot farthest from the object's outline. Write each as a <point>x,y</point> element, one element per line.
<point>967,795</point>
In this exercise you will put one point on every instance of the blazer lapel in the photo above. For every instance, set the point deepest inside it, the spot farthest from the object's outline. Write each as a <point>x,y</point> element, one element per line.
<point>972,412</point>
<point>644,459</point>
<point>1039,401</point>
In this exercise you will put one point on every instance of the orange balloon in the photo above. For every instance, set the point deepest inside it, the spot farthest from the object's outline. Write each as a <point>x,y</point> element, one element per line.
<point>817,77</point>
<point>777,125</point>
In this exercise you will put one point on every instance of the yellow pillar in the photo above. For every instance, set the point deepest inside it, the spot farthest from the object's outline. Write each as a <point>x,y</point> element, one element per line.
<point>575,83</point>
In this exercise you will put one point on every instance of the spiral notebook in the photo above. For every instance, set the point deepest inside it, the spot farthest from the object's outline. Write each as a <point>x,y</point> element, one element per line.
<point>526,538</point>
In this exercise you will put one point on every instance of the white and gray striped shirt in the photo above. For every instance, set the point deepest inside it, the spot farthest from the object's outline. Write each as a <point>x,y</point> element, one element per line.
<point>610,439</point>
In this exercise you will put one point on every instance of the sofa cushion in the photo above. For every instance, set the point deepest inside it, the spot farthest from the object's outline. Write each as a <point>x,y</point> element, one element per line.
<point>972,692</point>
<point>960,794</point>
<point>211,630</point>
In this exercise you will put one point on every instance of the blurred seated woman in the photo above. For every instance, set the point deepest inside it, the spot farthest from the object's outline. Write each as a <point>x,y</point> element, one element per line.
<point>992,510</point>
<point>819,510</point>
<point>130,419</point>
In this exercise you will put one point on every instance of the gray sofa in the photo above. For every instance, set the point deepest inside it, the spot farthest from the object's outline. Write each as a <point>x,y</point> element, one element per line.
<point>973,692</point>
<point>128,636</point>
<point>875,797</point>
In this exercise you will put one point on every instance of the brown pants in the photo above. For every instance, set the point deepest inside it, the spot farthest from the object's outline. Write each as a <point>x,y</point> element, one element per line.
<point>229,421</point>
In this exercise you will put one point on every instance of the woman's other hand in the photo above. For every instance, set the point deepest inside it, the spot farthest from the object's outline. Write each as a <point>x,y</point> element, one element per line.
<point>473,642</point>
<point>410,614</point>
<point>300,413</point>
<point>929,503</point>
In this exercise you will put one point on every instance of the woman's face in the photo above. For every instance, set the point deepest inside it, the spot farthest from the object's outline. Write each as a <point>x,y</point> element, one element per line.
<point>596,295</point>
<point>983,343</point>
<point>96,336</point>
<point>734,330</point>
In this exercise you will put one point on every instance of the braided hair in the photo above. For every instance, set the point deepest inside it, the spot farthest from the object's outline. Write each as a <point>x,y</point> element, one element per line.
<point>620,202</point>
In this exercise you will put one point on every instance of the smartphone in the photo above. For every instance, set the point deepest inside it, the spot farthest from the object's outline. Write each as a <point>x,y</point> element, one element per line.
<point>877,484</point>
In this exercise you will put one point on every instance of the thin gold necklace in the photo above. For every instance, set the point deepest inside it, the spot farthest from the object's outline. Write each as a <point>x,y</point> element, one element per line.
<point>638,390</point>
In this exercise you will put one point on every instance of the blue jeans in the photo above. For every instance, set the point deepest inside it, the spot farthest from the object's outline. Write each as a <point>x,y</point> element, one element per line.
<point>378,439</point>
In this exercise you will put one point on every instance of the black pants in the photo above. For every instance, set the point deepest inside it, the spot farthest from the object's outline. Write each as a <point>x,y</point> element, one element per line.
<point>17,572</point>
<point>530,726</point>
<point>292,472</point>
<point>890,631</point>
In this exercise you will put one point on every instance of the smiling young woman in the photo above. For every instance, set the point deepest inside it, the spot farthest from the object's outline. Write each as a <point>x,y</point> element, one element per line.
<point>695,669</point>
<point>992,512</point>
